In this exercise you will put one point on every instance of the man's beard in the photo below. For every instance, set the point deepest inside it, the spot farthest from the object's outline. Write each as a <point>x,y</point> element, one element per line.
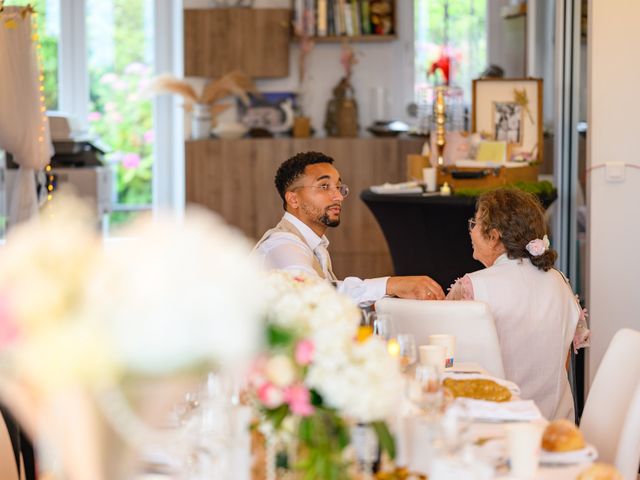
<point>325,220</point>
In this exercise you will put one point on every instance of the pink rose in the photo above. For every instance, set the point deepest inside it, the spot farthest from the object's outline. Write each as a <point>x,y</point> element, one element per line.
<point>270,395</point>
<point>9,331</point>
<point>304,352</point>
<point>299,400</point>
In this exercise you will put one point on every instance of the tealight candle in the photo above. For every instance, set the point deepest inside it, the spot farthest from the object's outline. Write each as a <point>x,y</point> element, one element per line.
<point>445,190</point>
<point>393,347</point>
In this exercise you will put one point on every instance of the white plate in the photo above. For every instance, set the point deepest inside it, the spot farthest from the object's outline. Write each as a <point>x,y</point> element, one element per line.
<point>586,454</point>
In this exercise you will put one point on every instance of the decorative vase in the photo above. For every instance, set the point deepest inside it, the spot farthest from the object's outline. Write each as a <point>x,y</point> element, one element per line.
<point>201,121</point>
<point>342,111</point>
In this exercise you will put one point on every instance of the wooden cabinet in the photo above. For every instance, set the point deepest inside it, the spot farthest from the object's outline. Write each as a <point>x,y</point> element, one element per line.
<point>219,40</point>
<point>235,179</point>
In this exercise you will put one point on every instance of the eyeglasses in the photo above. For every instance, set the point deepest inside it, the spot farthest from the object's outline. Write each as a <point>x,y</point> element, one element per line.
<point>472,223</point>
<point>326,188</point>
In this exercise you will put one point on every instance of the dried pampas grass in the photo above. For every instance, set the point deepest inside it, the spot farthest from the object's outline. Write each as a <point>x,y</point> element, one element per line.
<point>234,83</point>
<point>169,84</point>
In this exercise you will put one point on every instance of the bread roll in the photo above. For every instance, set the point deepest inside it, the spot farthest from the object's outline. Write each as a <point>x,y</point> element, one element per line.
<point>600,471</point>
<point>562,436</point>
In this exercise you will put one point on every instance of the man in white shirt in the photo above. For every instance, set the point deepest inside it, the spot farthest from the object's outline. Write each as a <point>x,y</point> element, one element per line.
<point>312,194</point>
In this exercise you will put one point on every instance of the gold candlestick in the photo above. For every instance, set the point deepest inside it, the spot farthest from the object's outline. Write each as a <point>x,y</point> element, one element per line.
<point>439,113</point>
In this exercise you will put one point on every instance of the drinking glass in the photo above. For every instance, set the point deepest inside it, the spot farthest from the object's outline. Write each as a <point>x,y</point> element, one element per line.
<point>382,325</point>
<point>407,350</point>
<point>425,391</point>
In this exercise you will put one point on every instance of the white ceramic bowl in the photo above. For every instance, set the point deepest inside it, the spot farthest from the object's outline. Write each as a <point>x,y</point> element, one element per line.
<point>230,131</point>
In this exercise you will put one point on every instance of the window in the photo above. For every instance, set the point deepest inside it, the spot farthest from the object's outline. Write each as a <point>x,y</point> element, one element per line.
<point>107,58</point>
<point>120,63</point>
<point>453,32</point>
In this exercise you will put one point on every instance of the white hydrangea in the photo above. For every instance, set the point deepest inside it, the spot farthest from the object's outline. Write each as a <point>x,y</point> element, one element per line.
<point>363,382</point>
<point>358,379</point>
<point>179,293</point>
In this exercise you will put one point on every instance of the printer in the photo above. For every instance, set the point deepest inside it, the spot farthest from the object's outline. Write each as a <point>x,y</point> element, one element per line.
<point>77,163</point>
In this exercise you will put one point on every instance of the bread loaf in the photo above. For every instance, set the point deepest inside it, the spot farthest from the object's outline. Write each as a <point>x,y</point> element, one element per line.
<point>562,436</point>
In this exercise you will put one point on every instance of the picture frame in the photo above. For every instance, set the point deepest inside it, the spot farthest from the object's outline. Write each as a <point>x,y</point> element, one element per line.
<point>510,110</point>
<point>271,111</point>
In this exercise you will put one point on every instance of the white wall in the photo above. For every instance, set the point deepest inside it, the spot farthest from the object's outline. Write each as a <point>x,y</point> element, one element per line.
<point>614,221</point>
<point>386,64</point>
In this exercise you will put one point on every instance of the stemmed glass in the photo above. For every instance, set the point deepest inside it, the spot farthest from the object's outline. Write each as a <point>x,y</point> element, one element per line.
<point>407,350</point>
<point>425,391</point>
<point>382,325</point>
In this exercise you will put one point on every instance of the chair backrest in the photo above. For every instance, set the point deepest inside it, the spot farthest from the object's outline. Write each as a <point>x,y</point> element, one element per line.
<point>611,416</point>
<point>471,323</point>
<point>8,468</point>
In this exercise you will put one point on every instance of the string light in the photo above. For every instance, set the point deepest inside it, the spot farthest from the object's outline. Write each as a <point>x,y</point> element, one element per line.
<point>35,37</point>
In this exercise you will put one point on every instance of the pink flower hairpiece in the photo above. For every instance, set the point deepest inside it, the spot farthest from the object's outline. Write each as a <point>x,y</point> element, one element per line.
<point>538,246</point>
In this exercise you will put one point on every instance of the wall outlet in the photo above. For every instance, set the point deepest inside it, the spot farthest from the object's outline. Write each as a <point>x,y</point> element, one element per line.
<point>614,171</point>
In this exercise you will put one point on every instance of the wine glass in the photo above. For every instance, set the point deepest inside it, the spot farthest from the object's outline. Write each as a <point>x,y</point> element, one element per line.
<point>407,350</point>
<point>382,325</point>
<point>424,390</point>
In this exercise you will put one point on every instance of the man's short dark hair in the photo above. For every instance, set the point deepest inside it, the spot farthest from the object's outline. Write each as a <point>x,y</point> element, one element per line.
<point>290,170</point>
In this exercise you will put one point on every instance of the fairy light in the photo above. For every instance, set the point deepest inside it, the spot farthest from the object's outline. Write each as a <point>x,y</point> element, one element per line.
<point>35,37</point>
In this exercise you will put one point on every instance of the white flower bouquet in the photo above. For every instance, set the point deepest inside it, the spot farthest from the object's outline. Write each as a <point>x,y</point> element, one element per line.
<point>175,297</point>
<point>318,371</point>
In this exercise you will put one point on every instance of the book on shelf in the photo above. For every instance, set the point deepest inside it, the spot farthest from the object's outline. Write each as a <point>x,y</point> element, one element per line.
<point>321,15</point>
<point>343,17</point>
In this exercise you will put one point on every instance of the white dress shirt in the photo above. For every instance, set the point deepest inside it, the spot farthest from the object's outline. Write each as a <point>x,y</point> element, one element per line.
<point>285,251</point>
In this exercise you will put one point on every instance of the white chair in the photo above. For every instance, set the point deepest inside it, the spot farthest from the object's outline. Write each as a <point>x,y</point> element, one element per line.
<point>471,323</point>
<point>611,416</point>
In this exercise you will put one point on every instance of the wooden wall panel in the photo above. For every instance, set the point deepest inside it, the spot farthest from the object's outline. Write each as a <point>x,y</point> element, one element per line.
<point>236,179</point>
<point>219,40</point>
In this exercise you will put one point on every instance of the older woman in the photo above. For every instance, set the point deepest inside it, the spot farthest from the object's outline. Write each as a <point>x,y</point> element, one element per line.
<point>534,308</point>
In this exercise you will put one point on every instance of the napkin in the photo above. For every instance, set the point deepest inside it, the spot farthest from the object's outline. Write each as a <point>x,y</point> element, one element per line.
<point>513,388</point>
<point>404,187</point>
<point>514,411</point>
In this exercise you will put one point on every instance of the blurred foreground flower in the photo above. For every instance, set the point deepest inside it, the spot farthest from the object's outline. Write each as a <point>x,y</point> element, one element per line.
<point>78,318</point>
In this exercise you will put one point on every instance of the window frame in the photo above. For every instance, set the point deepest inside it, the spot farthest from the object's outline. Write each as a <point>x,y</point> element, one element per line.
<point>73,77</point>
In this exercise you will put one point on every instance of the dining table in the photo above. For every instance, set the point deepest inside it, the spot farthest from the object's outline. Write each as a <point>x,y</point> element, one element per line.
<point>486,437</point>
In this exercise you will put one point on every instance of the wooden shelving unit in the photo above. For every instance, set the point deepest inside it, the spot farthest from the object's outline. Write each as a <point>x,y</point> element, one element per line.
<point>355,38</point>
<point>362,38</point>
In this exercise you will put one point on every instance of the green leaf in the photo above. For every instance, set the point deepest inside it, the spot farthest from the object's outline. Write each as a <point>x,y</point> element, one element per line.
<point>279,337</point>
<point>277,415</point>
<point>387,443</point>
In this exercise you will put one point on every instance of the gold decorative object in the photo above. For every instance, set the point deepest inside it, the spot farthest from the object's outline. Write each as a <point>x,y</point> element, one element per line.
<point>342,111</point>
<point>440,116</point>
<point>478,388</point>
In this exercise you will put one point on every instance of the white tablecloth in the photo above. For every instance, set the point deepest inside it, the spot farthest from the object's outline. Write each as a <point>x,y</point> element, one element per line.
<point>415,437</point>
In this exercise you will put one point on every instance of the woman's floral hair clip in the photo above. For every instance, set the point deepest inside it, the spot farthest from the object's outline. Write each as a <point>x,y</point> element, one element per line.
<point>537,247</point>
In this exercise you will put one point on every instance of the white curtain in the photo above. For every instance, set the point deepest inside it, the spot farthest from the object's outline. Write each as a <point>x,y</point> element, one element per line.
<point>24,128</point>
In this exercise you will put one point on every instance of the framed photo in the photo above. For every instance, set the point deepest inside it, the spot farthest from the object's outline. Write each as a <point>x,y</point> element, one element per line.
<point>272,111</point>
<point>510,110</point>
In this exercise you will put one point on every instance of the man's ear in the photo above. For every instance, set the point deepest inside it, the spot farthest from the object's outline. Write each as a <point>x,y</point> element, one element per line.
<point>291,198</point>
